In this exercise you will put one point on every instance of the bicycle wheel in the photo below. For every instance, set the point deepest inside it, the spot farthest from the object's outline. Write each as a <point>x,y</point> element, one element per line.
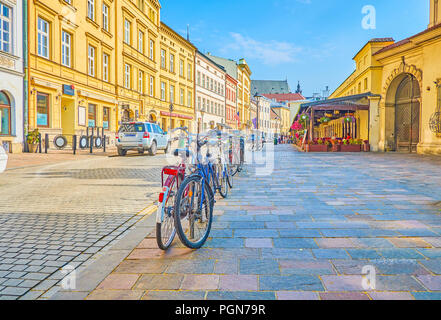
<point>194,212</point>
<point>166,231</point>
<point>222,180</point>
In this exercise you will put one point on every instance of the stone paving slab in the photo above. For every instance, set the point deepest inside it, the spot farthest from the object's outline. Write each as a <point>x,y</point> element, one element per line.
<point>69,213</point>
<point>306,232</point>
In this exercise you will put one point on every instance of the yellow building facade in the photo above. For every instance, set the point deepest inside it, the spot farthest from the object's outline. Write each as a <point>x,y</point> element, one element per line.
<point>401,82</point>
<point>71,87</point>
<point>98,63</point>
<point>244,94</point>
<point>365,79</point>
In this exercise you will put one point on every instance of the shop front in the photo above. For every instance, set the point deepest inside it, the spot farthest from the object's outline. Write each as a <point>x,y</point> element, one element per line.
<point>334,125</point>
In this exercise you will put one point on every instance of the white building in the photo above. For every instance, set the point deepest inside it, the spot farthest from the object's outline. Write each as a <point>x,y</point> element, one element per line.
<point>264,115</point>
<point>11,75</point>
<point>210,93</point>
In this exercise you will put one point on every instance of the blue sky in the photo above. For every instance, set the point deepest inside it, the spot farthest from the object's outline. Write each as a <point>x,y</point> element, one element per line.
<point>311,41</point>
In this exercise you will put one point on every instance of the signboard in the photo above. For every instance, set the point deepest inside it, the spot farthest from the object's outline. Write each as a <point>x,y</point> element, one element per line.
<point>106,124</point>
<point>68,90</point>
<point>82,116</point>
<point>91,124</point>
<point>42,119</point>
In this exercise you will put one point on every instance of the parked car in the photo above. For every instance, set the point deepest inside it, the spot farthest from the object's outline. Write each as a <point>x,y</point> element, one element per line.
<point>141,136</point>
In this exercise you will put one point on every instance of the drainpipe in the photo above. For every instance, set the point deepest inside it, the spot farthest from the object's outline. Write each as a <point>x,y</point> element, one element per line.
<point>26,72</point>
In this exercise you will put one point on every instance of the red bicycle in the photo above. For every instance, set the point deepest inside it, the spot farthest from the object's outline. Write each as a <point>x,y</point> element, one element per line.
<point>172,177</point>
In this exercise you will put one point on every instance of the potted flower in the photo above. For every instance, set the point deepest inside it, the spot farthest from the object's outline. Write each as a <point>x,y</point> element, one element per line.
<point>316,146</point>
<point>351,145</point>
<point>33,139</point>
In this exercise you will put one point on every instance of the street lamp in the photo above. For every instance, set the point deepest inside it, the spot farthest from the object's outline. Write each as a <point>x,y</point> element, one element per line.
<point>171,111</point>
<point>256,96</point>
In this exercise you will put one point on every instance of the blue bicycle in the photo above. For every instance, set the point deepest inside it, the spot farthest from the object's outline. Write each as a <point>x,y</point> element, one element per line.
<point>195,203</point>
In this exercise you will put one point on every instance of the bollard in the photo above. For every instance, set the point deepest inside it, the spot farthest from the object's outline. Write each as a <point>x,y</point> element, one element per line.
<point>104,144</point>
<point>39,142</point>
<point>74,144</point>
<point>46,142</point>
<point>91,144</point>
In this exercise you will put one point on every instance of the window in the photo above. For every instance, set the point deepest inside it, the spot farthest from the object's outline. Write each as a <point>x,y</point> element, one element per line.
<point>141,42</point>
<point>172,63</point>
<point>66,49</point>
<point>105,17</point>
<point>181,68</point>
<point>199,78</point>
<point>163,91</point>
<point>152,86</point>
<point>172,93</point>
<point>189,72</point>
<point>152,50</point>
<point>127,29</point>
<point>91,59</point>
<point>127,80</point>
<point>141,82</point>
<point>5,28</point>
<point>189,99</point>
<point>203,80</point>
<point>365,84</point>
<point>106,118</point>
<point>105,67</point>
<point>42,110</point>
<point>5,115</point>
<point>91,116</point>
<point>91,9</point>
<point>43,38</point>
<point>181,97</point>
<point>163,59</point>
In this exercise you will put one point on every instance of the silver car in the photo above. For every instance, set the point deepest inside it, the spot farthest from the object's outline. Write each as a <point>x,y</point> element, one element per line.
<point>141,136</point>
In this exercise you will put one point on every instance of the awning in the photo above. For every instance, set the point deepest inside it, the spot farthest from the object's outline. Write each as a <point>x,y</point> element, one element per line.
<point>175,115</point>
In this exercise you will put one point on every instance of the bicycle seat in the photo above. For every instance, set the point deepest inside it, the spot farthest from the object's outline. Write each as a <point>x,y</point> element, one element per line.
<point>179,152</point>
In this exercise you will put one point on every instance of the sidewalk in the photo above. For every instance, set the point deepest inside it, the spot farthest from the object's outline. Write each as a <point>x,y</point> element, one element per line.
<point>23,160</point>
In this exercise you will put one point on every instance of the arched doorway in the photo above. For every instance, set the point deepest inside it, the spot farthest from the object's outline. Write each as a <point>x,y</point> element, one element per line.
<point>152,118</point>
<point>407,115</point>
<point>5,114</point>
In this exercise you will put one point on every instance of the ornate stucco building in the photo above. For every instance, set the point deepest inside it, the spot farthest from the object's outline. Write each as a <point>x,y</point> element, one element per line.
<point>394,95</point>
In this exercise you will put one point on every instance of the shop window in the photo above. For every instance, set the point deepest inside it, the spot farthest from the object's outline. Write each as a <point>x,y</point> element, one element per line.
<point>91,116</point>
<point>42,110</point>
<point>5,115</point>
<point>106,118</point>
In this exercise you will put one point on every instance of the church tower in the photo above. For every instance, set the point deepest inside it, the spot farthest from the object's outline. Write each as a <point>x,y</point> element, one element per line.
<point>435,9</point>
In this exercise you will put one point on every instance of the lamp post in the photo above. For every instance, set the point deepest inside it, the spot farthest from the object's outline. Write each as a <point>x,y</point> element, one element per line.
<point>171,111</point>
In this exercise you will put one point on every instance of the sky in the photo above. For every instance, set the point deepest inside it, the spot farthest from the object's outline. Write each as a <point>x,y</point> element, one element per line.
<point>311,41</point>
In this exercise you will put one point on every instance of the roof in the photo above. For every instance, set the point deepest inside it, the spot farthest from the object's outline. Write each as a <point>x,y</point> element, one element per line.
<point>285,97</point>
<point>407,40</point>
<point>210,61</point>
<point>342,99</point>
<point>229,65</point>
<point>374,40</point>
<point>269,87</point>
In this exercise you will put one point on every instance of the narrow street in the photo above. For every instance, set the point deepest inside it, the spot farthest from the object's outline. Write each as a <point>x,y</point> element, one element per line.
<point>307,231</point>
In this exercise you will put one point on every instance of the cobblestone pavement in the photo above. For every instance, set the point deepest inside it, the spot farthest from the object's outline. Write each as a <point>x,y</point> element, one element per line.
<point>68,214</point>
<point>306,232</point>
